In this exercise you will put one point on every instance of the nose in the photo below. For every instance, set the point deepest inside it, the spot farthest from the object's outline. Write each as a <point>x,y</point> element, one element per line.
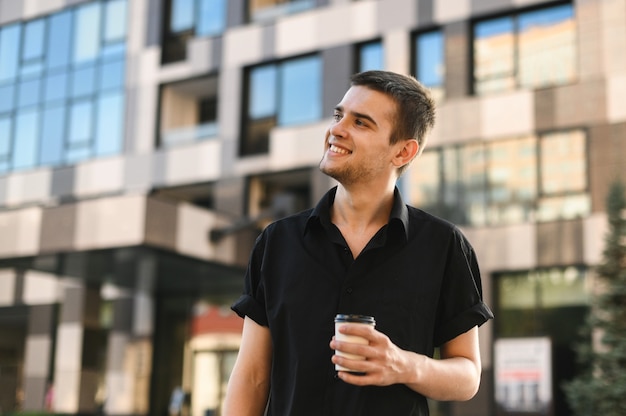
<point>337,128</point>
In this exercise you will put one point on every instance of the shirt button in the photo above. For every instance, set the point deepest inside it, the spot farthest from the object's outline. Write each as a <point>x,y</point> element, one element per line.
<point>349,291</point>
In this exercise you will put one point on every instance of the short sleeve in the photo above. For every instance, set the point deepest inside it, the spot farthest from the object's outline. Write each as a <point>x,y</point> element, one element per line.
<point>461,305</point>
<point>252,301</point>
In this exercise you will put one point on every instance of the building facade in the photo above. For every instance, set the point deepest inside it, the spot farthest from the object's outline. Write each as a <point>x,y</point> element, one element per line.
<point>145,143</point>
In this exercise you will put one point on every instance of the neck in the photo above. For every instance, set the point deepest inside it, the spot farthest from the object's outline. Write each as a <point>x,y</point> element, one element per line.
<point>364,207</point>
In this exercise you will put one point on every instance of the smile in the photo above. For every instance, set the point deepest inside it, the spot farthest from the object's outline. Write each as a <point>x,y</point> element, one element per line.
<point>339,150</point>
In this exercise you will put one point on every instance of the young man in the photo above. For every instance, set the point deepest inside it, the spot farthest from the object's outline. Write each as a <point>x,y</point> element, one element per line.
<point>361,250</point>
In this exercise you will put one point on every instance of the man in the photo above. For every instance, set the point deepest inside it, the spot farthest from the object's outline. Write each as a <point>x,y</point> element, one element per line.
<point>361,251</point>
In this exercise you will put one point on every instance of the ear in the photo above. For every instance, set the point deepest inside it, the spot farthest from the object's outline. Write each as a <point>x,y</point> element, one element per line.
<point>406,151</point>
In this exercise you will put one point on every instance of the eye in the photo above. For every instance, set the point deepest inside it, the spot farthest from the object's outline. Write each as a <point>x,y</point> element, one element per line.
<point>336,116</point>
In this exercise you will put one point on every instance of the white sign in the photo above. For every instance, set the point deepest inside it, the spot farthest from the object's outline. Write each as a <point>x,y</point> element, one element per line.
<point>523,375</point>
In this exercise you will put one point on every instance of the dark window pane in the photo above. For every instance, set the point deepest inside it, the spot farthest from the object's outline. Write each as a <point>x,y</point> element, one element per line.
<point>59,40</point>
<point>53,128</point>
<point>110,124</point>
<point>87,33</point>
<point>10,37</point>
<point>26,134</point>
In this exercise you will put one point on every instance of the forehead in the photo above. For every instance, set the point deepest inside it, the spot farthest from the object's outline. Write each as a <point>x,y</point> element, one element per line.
<point>379,106</point>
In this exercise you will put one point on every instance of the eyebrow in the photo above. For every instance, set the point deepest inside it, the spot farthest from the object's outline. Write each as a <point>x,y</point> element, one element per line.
<point>357,115</point>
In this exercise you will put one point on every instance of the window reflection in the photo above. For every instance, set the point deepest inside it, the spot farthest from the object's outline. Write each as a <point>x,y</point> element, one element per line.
<point>430,61</point>
<point>281,94</point>
<point>532,49</point>
<point>505,181</point>
<point>259,10</point>
<point>370,56</point>
<point>188,19</point>
<point>49,100</point>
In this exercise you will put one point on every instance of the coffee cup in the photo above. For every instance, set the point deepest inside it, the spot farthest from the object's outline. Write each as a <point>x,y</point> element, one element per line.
<point>342,319</point>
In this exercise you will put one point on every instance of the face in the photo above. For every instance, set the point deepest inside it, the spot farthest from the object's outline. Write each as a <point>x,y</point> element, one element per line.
<point>357,147</point>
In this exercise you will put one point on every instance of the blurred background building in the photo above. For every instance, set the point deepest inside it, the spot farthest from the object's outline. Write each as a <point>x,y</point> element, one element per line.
<point>144,144</point>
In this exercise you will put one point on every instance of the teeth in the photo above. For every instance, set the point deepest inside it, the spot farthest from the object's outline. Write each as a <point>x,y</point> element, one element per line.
<point>339,150</point>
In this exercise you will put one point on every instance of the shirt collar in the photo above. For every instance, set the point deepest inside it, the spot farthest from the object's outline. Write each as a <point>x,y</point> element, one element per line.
<point>399,212</point>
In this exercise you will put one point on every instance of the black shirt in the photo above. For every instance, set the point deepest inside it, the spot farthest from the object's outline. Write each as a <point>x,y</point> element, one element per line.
<point>418,276</point>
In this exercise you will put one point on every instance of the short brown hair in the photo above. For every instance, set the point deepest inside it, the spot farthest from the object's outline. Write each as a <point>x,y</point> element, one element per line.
<point>415,114</point>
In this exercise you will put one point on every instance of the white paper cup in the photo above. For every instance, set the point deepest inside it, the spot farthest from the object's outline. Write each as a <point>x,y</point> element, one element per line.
<point>342,319</point>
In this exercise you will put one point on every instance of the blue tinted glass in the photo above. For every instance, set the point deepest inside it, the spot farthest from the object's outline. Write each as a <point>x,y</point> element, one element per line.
<point>26,132</point>
<point>300,91</point>
<point>28,93</point>
<point>78,152</point>
<point>182,15</point>
<point>83,81</point>
<point>493,27</point>
<point>80,121</point>
<point>59,39</point>
<point>7,98</point>
<point>87,33</point>
<point>55,87</point>
<point>9,51</point>
<point>110,124</point>
<point>211,17</point>
<point>113,50</point>
<point>33,39</point>
<point>53,128</point>
<point>112,75</point>
<point>371,56</point>
<point>545,17</point>
<point>262,92</point>
<point>430,59</point>
<point>5,137</point>
<point>115,20</point>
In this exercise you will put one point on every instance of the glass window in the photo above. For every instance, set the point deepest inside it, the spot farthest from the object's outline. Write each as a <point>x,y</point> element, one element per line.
<point>7,97</point>
<point>259,10</point>
<point>430,61</point>
<point>53,117</point>
<point>182,16</point>
<point>56,87</point>
<point>563,176</point>
<point>59,40</point>
<point>300,91</point>
<point>473,180</point>
<point>114,21</point>
<point>109,124</point>
<point>83,81</point>
<point>29,91</point>
<point>284,94</point>
<point>532,49</point>
<point>370,56</point>
<point>26,134</point>
<point>211,17</point>
<point>53,124</point>
<point>511,180</point>
<point>10,40</point>
<point>5,143</point>
<point>87,33</point>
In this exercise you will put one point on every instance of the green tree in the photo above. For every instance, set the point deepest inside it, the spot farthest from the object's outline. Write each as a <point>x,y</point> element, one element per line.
<point>600,387</point>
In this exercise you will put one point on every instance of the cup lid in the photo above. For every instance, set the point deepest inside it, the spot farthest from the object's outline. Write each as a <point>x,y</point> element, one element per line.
<point>363,319</point>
